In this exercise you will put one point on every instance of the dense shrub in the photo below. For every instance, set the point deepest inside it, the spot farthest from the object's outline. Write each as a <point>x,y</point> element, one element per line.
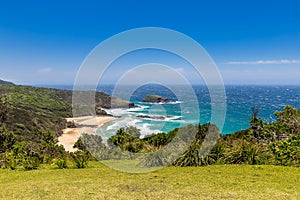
<point>9,160</point>
<point>61,163</point>
<point>287,152</point>
<point>196,154</point>
<point>7,139</point>
<point>30,163</point>
<point>80,159</point>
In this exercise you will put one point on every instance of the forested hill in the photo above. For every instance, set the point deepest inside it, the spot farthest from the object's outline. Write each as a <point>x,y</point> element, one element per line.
<point>2,82</point>
<point>33,109</point>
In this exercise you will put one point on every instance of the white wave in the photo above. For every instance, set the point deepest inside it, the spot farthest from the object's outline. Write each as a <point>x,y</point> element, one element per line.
<point>175,102</point>
<point>137,109</point>
<point>116,111</point>
<point>163,103</point>
<point>162,118</point>
<point>145,129</point>
<point>128,121</point>
<point>173,118</point>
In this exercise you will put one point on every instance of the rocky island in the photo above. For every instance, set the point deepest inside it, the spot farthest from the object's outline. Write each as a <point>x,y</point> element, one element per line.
<point>153,98</point>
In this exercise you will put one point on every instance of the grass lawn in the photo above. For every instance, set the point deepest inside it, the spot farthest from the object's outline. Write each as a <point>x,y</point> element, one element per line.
<point>101,182</point>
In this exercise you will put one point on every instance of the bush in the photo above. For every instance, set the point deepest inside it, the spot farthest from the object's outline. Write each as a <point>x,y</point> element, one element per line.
<point>50,152</point>
<point>61,163</point>
<point>244,152</point>
<point>156,159</point>
<point>27,155</point>
<point>80,158</point>
<point>9,161</point>
<point>287,152</point>
<point>7,139</point>
<point>30,163</point>
<point>79,144</point>
<point>196,154</point>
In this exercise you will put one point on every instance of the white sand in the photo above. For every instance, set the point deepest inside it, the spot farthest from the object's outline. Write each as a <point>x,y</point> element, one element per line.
<point>71,135</point>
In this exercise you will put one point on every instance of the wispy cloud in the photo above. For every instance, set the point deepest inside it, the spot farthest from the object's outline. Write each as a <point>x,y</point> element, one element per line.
<point>263,62</point>
<point>45,70</point>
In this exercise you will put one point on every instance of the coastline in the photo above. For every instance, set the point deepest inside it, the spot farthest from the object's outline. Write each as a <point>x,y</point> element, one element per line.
<point>86,124</point>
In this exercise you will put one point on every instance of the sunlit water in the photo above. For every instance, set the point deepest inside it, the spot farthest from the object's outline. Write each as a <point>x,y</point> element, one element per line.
<point>239,100</point>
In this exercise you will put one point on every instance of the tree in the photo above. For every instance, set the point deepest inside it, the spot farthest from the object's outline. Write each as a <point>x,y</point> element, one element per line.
<point>133,131</point>
<point>256,123</point>
<point>7,139</point>
<point>121,138</point>
<point>290,117</point>
<point>4,108</point>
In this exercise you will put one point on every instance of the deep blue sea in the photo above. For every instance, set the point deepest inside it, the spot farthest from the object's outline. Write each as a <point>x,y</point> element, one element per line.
<point>239,100</point>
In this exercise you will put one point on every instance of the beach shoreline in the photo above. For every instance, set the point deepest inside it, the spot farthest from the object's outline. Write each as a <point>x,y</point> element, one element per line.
<point>84,125</point>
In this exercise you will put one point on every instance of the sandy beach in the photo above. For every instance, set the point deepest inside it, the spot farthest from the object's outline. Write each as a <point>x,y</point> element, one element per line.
<point>86,124</point>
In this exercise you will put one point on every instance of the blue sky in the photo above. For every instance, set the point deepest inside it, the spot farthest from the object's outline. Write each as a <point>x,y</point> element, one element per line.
<point>252,42</point>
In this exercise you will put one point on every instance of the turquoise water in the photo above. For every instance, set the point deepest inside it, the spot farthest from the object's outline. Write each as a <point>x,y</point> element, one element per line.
<point>239,100</point>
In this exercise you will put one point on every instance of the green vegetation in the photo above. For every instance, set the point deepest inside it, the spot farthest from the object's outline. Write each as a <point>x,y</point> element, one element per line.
<point>81,158</point>
<point>100,182</point>
<point>5,82</point>
<point>32,118</point>
<point>33,108</point>
<point>287,152</point>
<point>276,143</point>
<point>61,163</point>
<point>128,139</point>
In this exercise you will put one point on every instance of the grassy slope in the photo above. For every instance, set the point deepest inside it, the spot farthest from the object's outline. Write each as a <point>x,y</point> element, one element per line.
<point>100,182</point>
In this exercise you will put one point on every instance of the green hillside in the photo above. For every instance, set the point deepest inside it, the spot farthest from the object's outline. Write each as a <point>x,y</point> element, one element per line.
<point>2,82</point>
<point>31,119</point>
<point>34,108</point>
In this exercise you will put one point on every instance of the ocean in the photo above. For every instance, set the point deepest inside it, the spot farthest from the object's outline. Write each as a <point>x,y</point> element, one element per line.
<point>239,101</point>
